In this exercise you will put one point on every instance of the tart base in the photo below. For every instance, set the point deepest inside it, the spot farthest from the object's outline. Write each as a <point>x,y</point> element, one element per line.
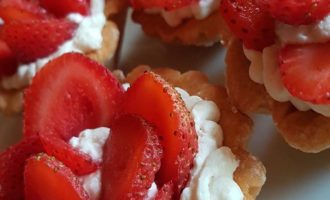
<point>236,126</point>
<point>191,32</point>
<point>247,95</point>
<point>306,131</point>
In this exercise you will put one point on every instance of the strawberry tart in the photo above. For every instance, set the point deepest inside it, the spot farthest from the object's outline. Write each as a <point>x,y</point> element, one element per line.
<point>282,66</point>
<point>88,136</point>
<point>188,22</point>
<point>34,32</point>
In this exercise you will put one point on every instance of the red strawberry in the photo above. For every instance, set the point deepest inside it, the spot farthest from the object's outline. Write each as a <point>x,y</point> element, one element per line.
<point>253,25</point>
<point>158,102</point>
<point>34,39</point>
<point>166,4</point>
<point>305,71</point>
<point>12,163</point>
<point>13,10</point>
<point>297,12</point>
<point>131,159</point>
<point>61,8</point>
<point>165,193</point>
<point>8,62</point>
<point>47,178</point>
<point>68,95</point>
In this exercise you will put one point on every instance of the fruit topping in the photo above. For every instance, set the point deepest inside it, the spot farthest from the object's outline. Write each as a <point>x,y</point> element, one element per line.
<point>68,95</point>
<point>12,163</point>
<point>47,178</point>
<point>166,4</point>
<point>8,61</point>
<point>61,8</point>
<point>159,103</point>
<point>305,71</point>
<point>131,159</point>
<point>297,12</point>
<point>165,193</point>
<point>34,39</point>
<point>249,22</point>
<point>21,10</point>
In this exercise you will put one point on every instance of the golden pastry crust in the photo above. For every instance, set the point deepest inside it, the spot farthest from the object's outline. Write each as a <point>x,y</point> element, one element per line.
<point>251,174</point>
<point>305,131</point>
<point>191,32</point>
<point>247,95</point>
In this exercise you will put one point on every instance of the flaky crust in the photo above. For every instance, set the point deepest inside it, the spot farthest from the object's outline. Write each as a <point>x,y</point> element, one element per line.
<point>306,131</point>
<point>190,32</point>
<point>251,174</point>
<point>247,95</point>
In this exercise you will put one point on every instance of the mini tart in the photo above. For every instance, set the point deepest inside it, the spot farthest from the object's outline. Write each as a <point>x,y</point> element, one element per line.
<point>251,173</point>
<point>306,131</point>
<point>11,101</point>
<point>190,32</point>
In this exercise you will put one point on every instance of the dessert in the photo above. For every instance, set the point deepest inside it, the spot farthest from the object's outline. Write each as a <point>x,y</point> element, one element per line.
<point>282,66</point>
<point>189,22</point>
<point>84,131</point>
<point>35,32</point>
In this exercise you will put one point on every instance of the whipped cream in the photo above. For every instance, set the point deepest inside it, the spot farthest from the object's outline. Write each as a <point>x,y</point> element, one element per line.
<point>87,37</point>
<point>212,174</point>
<point>264,67</point>
<point>198,10</point>
<point>91,142</point>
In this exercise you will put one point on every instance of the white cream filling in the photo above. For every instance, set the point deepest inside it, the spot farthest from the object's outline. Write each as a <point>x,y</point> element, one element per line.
<point>87,37</point>
<point>198,10</point>
<point>212,174</point>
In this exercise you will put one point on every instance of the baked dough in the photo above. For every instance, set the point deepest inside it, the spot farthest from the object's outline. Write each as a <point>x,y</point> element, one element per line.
<point>236,126</point>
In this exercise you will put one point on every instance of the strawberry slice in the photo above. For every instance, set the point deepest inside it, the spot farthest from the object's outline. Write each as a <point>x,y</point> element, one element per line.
<point>158,102</point>
<point>165,193</point>
<point>18,10</point>
<point>165,4</point>
<point>34,39</point>
<point>297,12</point>
<point>305,71</point>
<point>68,95</point>
<point>47,178</point>
<point>8,62</point>
<point>131,159</point>
<point>253,25</point>
<point>61,8</point>
<point>12,163</point>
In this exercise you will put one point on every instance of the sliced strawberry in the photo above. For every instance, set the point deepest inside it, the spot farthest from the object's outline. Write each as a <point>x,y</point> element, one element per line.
<point>165,193</point>
<point>12,163</point>
<point>34,39</point>
<point>253,25</point>
<point>305,71</point>
<point>68,95</point>
<point>47,178</point>
<point>61,8</point>
<point>165,4</point>
<point>8,61</point>
<point>131,159</point>
<point>17,10</point>
<point>297,12</point>
<point>158,102</point>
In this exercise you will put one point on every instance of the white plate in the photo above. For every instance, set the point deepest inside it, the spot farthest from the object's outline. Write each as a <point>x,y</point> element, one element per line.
<point>291,175</point>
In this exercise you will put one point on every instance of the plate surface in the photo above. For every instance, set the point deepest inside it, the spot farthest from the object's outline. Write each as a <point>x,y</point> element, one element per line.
<point>291,175</point>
